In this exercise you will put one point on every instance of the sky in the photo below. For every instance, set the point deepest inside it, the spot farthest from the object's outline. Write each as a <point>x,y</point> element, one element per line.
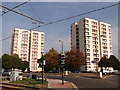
<point>53,11</point>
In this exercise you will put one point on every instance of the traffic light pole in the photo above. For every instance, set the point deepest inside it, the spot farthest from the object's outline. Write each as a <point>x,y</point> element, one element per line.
<point>62,76</point>
<point>62,66</point>
<point>42,71</point>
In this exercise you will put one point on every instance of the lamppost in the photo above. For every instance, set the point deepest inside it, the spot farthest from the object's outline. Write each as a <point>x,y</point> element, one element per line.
<point>62,66</point>
<point>62,45</point>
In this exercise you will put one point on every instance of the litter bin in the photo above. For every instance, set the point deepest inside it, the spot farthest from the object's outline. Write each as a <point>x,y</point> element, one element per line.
<point>34,76</point>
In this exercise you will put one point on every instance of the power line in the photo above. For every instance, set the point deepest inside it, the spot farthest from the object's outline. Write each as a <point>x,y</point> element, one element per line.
<point>16,7</point>
<point>70,17</point>
<point>21,14</point>
<point>75,16</point>
<point>34,11</point>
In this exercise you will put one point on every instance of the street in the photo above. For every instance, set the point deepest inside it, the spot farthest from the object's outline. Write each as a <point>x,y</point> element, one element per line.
<point>88,80</point>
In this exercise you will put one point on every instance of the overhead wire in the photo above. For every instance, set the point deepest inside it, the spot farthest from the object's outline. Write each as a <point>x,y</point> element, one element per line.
<point>75,16</point>
<point>71,17</point>
<point>21,14</point>
<point>34,11</point>
<point>15,7</point>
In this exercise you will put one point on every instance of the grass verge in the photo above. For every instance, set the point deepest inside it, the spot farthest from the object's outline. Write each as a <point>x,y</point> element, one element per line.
<point>32,82</point>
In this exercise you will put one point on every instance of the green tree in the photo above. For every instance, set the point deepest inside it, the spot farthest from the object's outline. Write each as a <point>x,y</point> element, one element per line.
<point>25,66</point>
<point>104,62</point>
<point>11,61</point>
<point>115,63</point>
<point>74,59</point>
<point>51,60</point>
<point>4,59</point>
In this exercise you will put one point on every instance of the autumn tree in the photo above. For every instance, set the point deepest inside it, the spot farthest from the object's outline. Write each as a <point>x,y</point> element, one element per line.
<point>74,59</point>
<point>51,58</point>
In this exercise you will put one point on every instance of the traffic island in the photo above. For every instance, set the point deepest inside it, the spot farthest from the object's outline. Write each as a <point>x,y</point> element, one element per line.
<point>32,83</point>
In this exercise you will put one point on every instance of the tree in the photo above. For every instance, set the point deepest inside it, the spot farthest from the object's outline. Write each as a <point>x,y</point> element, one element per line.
<point>104,62</point>
<point>111,62</point>
<point>25,66</point>
<point>74,59</point>
<point>11,61</point>
<point>115,63</point>
<point>51,58</point>
<point>4,59</point>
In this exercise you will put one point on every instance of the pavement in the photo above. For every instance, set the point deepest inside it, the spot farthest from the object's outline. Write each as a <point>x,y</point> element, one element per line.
<point>57,84</point>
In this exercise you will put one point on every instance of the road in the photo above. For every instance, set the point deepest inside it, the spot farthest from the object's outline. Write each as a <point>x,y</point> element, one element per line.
<point>89,80</point>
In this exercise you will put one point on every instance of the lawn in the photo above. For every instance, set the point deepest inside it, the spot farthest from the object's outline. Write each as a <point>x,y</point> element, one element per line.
<point>32,82</point>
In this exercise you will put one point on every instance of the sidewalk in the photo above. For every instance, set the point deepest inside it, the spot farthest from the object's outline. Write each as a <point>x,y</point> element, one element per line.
<point>56,83</point>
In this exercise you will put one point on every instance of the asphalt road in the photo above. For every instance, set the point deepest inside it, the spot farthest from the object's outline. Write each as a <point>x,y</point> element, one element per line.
<point>89,81</point>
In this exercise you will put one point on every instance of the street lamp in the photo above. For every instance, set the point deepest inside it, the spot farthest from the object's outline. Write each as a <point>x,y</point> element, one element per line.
<point>62,45</point>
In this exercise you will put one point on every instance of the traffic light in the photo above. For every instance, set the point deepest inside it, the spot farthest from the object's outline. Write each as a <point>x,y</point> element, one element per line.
<point>61,58</point>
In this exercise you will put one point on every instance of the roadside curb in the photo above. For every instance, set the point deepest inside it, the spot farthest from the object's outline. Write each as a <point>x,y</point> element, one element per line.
<point>74,86</point>
<point>107,76</point>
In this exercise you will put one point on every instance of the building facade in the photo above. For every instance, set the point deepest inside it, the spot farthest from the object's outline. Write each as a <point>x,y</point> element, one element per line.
<point>29,45</point>
<point>94,39</point>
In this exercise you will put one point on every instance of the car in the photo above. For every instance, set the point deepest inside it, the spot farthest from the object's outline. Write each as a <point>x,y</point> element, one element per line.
<point>54,71</point>
<point>108,71</point>
<point>6,73</point>
<point>76,72</point>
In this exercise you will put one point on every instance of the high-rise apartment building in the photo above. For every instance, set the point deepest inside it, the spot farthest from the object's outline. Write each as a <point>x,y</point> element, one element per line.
<point>29,45</point>
<point>93,38</point>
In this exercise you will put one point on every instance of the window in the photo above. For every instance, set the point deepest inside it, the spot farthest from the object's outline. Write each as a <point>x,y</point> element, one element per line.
<point>86,25</point>
<point>88,63</point>
<point>86,29</point>
<point>94,23</point>
<point>88,59</point>
<point>86,21</point>
<point>103,25</point>
<point>87,54</point>
<point>87,50</point>
<point>77,40</point>
<point>77,36</point>
<point>87,41</point>
<point>86,33</point>
<point>35,33</point>
<point>87,46</point>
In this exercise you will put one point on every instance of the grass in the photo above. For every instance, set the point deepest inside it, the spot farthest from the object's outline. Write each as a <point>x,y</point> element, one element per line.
<point>30,81</point>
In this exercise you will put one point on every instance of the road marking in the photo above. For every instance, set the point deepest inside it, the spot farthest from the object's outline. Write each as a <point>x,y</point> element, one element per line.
<point>74,86</point>
<point>77,76</point>
<point>104,77</point>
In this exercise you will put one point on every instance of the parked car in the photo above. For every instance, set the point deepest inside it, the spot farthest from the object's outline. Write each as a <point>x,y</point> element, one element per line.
<point>76,72</point>
<point>54,71</point>
<point>6,72</point>
<point>108,71</point>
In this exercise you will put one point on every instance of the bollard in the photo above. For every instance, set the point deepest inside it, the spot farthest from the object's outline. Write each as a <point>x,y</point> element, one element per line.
<point>100,74</point>
<point>66,73</point>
